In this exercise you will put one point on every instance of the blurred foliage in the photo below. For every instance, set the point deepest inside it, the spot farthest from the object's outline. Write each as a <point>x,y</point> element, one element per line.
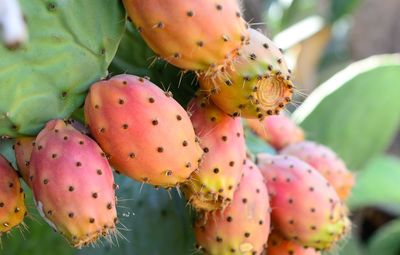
<point>340,8</point>
<point>281,14</point>
<point>152,222</point>
<point>386,240</point>
<point>378,184</point>
<point>344,112</point>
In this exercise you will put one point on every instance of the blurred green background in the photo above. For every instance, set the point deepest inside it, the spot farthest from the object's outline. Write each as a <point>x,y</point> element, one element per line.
<point>344,61</point>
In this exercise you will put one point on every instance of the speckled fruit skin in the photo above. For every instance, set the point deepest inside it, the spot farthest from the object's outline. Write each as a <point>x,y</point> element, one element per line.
<point>277,130</point>
<point>23,149</point>
<point>146,134</point>
<point>243,226</point>
<point>73,185</point>
<point>257,84</point>
<point>12,204</point>
<point>191,34</point>
<point>278,245</point>
<point>324,160</point>
<point>222,140</point>
<point>306,208</point>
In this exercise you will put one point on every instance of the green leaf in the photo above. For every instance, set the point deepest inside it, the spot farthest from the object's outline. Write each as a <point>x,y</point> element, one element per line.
<point>378,184</point>
<point>71,46</point>
<point>134,57</point>
<point>357,111</point>
<point>386,240</point>
<point>157,222</point>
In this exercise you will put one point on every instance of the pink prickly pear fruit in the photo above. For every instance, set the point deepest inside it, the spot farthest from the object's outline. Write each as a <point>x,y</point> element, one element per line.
<point>146,134</point>
<point>12,204</point>
<point>277,130</point>
<point>306,208</point>
<point>194,35</point>
<point>23,149</point>
<point>324,160</point>
<point>221,138</point>
<point>73,185</point>
<point>279,245</point>
<point>243,226</point>
<point>257,84</point>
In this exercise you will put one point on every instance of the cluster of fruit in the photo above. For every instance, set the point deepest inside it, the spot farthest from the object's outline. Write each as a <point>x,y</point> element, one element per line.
<point>143,133</point>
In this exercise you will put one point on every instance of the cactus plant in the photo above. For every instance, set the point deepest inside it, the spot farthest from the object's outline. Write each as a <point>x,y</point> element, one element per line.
<point>49,69</point>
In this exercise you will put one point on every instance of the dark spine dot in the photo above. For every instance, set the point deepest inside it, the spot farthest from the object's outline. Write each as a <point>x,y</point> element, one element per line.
<point>216,170</point>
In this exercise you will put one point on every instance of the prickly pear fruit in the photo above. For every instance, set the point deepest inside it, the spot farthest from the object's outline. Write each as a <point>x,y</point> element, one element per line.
<point>194,35</point>
<point>256,85</point>
<point>243,226</point>
<point>221,138</point>
<point>306,208</point>
<point>324,160</point>
<point>23,149</point>
<point>279,245</point>
<point>277,130</point>
<point>147,135</point>
<point>12,204</point>
<point>73,185</point>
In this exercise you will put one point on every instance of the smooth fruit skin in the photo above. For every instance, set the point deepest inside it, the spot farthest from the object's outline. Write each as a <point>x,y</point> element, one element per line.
<point>23,149</point>
<point>305,207</point>
<point>243,226</point>
<point>73,184</point>
<point>257,84</point>
<point>191,34</point>
<point>277,130</point>
<point>12,204</point>
<point>278,245</point>
<point>324,160</point>
<point>145,133</point>
<point>221,138</point>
